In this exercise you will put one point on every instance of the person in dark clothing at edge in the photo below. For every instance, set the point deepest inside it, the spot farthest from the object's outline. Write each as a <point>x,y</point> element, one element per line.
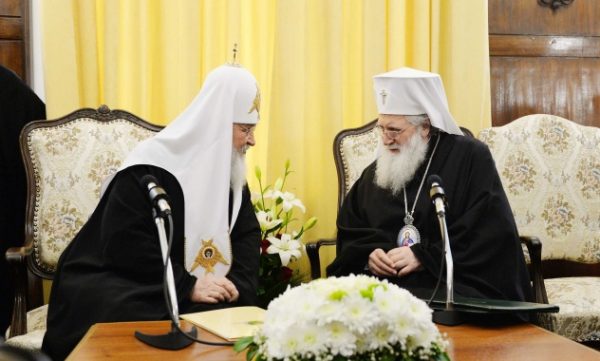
<point>113,270</point>
<point>419,137</point>
<point>18,106</point>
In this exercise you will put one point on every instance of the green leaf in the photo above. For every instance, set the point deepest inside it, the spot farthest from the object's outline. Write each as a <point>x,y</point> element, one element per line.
<point>243,343</point>
<point>252,350</point>
<point>442,357</point>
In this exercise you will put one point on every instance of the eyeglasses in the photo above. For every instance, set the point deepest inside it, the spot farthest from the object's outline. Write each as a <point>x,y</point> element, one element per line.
<point>247,130</point>
<point>390,133</point>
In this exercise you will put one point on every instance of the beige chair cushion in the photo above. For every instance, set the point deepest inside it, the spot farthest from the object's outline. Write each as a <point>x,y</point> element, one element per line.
<point>579,316</point>
<point>36,328</point>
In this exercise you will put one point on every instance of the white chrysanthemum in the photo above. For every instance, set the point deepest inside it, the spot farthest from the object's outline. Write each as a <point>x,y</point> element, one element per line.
<point>359,314</point>
<point>286,247</point>
<point>346,316</point>
<point>312,339</point>
<point>340,340</point>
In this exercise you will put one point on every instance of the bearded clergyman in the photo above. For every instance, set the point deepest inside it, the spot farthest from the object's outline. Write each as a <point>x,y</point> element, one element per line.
<point>113,269</point>
<point>387,225</point>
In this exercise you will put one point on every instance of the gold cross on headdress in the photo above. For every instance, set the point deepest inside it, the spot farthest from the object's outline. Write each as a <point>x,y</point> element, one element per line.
<point>383,94</point>
<point>234,62</point>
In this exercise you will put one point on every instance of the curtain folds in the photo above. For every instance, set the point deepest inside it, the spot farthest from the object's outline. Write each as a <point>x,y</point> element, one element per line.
<point>314,61</point>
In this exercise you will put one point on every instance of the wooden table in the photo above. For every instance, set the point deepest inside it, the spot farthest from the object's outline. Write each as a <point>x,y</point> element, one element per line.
<point>115,341</point>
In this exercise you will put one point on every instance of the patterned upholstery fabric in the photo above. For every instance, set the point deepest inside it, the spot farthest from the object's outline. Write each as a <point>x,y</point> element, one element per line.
<point>36,328</point>
<point>550,169</point>
<point>69,162</point>
<point>357,152</point>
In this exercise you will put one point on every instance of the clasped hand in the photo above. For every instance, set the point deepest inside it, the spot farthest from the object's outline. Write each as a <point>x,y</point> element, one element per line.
<point>398,261</point>
<point>213,289</point>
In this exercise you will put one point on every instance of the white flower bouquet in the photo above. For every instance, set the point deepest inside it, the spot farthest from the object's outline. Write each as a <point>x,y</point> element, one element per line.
<point>280,239</point>
<point>347,318</point>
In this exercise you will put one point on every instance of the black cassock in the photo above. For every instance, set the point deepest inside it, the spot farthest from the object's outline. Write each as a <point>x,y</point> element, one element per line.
<point>488,258</point>
<point>18,106</point>
<point>112,270</point>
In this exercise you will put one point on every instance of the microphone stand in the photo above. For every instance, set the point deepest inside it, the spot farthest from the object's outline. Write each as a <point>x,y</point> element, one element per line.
<point>174,339</point>
<point>449,316</point>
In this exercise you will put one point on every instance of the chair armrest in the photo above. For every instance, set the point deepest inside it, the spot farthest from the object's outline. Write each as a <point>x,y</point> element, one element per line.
<point>16,258</point>
<point>312,251</point>
<point>534,246</point>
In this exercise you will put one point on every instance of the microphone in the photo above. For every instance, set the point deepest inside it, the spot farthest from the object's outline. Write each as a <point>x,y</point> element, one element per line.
<point>176,338</point>
<point>157,194</point>
<point>437,194</point>
<point>449,316</point>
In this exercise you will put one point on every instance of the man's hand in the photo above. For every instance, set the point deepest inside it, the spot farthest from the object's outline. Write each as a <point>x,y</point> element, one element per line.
<point>381,264</point>
<point>212,289</point>
<point>404,260</point>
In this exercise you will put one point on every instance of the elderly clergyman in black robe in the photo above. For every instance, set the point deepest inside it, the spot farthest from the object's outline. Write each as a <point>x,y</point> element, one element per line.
<point>113,269</point>
<point>387,224</point>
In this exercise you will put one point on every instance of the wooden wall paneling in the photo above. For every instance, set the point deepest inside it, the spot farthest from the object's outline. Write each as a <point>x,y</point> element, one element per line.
<point>544,60</point>
<point>539,45</point>
<point>567,87</point>
<point>530,17</point>
<point>10,51</point>
<point>10,8</point>
<point>14,36</point>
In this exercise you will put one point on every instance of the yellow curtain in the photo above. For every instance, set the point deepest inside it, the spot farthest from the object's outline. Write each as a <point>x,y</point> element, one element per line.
<point>314,60</point>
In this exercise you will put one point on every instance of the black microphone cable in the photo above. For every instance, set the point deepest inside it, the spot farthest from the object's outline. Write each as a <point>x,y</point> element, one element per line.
<point>439,279</point>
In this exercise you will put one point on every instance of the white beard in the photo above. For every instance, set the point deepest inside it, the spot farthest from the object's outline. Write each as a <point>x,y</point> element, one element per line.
<point>394,170</point>
<point>238,169</point>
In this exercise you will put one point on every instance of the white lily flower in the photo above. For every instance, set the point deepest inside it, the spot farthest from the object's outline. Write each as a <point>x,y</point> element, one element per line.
<point>267,220</point>
<point>254,197</point>
<point>290,200</point>
<point>286,247</point>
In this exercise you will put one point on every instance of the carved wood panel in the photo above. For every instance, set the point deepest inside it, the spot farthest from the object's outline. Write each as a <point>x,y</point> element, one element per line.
<point>14,51</point>
<point>544,60</point>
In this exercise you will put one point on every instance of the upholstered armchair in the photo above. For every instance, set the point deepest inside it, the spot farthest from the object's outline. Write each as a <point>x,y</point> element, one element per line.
<point>65,161</point>
<point>550,169</point>
<point>353,150</point>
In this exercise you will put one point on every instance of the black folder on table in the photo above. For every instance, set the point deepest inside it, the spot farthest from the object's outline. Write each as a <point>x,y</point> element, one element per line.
<point>485,305</point>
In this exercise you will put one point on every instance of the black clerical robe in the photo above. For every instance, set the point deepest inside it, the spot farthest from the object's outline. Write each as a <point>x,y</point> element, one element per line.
<point>18,106</point>
<point>488,259</point>
<point>112,270</point>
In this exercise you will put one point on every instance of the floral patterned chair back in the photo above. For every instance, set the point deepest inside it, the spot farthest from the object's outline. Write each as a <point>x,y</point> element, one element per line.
<point>353,150</point>
<point>65,160</point>
<point>550,169</point>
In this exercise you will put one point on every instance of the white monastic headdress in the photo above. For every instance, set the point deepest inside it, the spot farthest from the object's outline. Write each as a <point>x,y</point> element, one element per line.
<point>407,91</point>
<point>196,148</point>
